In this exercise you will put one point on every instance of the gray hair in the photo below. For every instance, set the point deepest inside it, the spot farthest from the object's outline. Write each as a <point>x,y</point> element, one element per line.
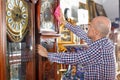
<point>103,28</point>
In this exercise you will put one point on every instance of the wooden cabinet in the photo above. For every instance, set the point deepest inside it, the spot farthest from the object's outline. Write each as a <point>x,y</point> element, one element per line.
<point>23,25</point>
<point>17,40</point>
<point>46,35</point>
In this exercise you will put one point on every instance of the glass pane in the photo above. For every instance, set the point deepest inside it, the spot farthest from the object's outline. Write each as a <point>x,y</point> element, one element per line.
<point>15,51</point>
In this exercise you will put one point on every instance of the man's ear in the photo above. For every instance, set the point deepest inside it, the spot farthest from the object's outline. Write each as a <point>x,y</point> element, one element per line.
<point>96,32</point>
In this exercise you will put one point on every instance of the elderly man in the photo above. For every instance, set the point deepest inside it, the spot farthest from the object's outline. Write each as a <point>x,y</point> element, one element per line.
<point>98,60</point>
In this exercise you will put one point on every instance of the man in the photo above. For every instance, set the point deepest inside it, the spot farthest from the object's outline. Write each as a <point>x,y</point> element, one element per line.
<point>98,60</point>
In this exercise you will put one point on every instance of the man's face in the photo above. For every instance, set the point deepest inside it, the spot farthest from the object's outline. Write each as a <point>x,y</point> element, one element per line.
<point>91,31</point>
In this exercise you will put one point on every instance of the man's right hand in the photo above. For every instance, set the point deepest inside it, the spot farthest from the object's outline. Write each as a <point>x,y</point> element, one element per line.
<point>61,18</point>
<point>59,15</point>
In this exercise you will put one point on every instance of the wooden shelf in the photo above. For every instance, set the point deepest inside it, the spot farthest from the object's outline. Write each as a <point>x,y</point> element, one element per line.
<point>62,70</point>
<point>50,34</point>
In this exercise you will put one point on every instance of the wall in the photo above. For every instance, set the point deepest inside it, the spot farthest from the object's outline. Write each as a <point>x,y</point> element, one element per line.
<point>73,6</point>
<point>68,3</point>
<point>111,7</point>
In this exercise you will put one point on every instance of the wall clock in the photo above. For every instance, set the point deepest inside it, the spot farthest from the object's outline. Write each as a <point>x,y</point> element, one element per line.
<point>19,44</point>
<point>16,19</point>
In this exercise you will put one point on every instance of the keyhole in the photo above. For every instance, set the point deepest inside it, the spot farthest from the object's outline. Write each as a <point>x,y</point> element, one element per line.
<point>16,15</point>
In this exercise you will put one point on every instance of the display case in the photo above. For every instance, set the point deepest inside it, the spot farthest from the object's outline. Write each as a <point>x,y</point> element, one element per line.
<point>17,40</point>
<point>47,32</point>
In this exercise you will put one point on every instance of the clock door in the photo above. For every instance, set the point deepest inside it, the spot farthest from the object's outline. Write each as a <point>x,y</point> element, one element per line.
<point>20,55</point>
<point>47,33</point>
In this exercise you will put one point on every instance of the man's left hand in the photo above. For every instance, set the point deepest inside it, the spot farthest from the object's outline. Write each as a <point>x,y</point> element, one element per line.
<point>42,51</point>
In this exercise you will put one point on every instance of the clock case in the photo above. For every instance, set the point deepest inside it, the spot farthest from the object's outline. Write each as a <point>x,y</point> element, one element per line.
<point>47,37</point>
<point>17,58</point>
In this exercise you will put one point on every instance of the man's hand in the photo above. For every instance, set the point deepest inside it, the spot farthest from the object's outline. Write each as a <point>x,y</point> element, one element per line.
<point>59,15</point>
<point>61,18</point>
<point>42,51</point>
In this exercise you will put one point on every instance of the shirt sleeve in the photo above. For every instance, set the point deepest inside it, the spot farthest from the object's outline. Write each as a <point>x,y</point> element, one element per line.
<point>79,32</point>
<point>86,57</point>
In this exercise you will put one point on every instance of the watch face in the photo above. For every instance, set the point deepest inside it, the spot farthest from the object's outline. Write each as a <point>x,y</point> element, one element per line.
<point>46,17</point>
<point>16,19</point>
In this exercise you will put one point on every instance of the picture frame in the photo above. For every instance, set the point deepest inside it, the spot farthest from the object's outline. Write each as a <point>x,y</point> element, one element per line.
<point>66,36</point>
<point>83,5</point>
<point>92,10</point>
<point>100,10</point>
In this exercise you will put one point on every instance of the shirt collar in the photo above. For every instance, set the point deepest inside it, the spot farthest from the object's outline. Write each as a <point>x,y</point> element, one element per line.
<point>100,41</point>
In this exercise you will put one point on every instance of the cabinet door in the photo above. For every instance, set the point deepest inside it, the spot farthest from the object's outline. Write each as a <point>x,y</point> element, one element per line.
<point>18,30</point>
<point>49,69</point>
<point>47,31</point>
<point>45,15</point>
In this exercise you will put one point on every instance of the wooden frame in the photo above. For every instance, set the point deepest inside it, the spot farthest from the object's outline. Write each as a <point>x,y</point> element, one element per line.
<point>83,5</point>
<point>2,42</point>
<point>30,69</point>
<point>100,10</point>
<point>47,19</point>
<point>44,67</point>
<point>92,10</point>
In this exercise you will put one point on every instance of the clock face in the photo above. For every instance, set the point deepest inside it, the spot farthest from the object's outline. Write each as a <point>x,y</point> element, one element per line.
<point>47,19</point>
<point>16,19</point>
